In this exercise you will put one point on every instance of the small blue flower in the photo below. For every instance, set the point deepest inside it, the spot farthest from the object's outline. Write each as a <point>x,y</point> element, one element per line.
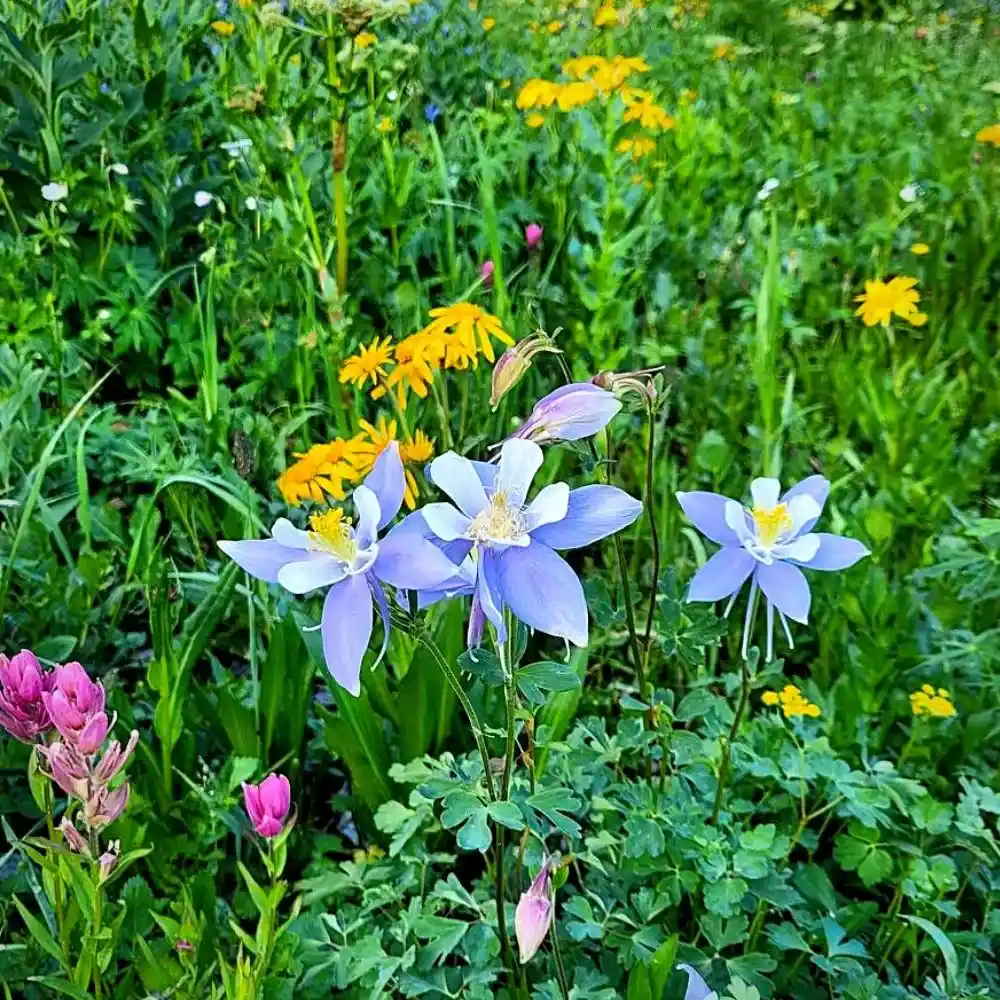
<point>432,112</point>
<point>767,544</point>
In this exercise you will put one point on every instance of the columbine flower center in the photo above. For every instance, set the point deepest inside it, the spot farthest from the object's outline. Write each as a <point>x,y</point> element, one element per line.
<point>498,521</point>
<point>772,522</point>
<point>331,532</point>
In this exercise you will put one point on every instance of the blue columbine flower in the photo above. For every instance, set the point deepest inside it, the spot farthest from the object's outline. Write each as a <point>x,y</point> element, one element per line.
<point>570,413</point>
<point>432,112</point>
<point>503,545</point>
<point>768,544</point>
<point>352,562</point>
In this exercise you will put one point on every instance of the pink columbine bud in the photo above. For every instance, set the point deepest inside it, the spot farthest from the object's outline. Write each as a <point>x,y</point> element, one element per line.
<point>115,758</point>
<point>533,235</point>
<point>267,804</point>
<point>67,767</point>
<point>184,946</point>
<point>23,684</point>
<point>571,413</point>
<point>109,858</point>
<point>105,805</point>
<point>515,362</point>
<point>533,915</point>
<point>76,707</point>
<point>486,273</point>
<point>74,839</point>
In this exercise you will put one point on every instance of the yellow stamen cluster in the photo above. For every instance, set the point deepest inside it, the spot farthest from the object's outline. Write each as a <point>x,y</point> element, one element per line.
<point>772,522</point>
<point>330,532</point>
<point>498,520</point>
<point>792,701</point>
<point>882,300</point>
<point>933,702</point>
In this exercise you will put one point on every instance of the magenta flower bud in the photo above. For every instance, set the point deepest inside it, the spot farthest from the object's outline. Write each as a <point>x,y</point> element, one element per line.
<point>184,946</point>
<point>267,804</point>
<point>75,840</point>
<point>533,915</point>
<point>23,684</point>
<point>115,758</point>
<point>105,805</point>
<point>572,412</point>
<point>533,235</point>
<point>67,768</point>
<point>486,273</point>
<point>76,706</point>
<point>512,365</point>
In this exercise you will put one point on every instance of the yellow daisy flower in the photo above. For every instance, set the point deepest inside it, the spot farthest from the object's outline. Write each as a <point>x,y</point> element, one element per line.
<point>792,701</point>
<point>554,27</point>
<point>881,300</point>
<point>365,40</point>
<point>470,329</point>
<point>928,701</point>
<point>489,23</point>
<point>920,249</point>
<point>576,95</point>
<point>606,16</point>
<point>538,93</point>
<point>323,470</point>
<point>649,115</point>
<point>990,134</point>
<point>368,363</point>
<point>223,28</point>
<point>581,67</point>
<point>385,125</point>
<point>639,147</point>
<point>535,120</point>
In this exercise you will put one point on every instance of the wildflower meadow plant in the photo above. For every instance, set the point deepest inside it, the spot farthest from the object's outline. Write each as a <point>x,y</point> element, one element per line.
<point>350,563</point>
<point>770,544</point>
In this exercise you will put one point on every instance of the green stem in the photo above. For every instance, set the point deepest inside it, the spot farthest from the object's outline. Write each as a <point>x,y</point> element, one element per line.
<point>654,533</point>
<point>560,968</point>
<point>456,685</point>
<point>95,930</point>
<point>726,746</point>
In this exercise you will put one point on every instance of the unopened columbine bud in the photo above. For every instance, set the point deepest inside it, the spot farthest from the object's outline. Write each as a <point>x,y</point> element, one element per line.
<point>625,384</point>
<point>572,412</point>
<point>105,805</point>
<point>515,362</point>
<point>267,804</point>
<point>76,706</point>
<point>23,683</point>
<point>74,839</point>
<point>486,273</point>
<point>533,233</point>
<point>533,915</point>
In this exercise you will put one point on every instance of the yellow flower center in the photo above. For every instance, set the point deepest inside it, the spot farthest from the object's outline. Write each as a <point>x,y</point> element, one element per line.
<point>772,522</point>
<point>331,532</point>
<point>498,520</point>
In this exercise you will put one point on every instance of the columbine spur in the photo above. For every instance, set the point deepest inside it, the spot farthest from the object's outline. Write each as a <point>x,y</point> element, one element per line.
<point>352,562</point>
<point>768,544</point>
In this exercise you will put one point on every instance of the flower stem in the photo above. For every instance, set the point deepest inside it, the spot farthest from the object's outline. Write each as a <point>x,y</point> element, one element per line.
<point>560,968</point>
<point>456,685</point>
<point>727,744</point>
<point>654,533</point>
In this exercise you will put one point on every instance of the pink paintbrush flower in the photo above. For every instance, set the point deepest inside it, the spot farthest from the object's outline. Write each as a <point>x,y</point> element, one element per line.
<point>533,233</point>
<point>267,804</point>
<point>23,684</point>
<point>76,706</point>
<point>67,767</point>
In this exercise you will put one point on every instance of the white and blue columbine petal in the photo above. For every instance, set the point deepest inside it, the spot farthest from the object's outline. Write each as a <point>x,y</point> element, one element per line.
<point>767,543</point>
<point>351,561</point>
<point>504,544</point>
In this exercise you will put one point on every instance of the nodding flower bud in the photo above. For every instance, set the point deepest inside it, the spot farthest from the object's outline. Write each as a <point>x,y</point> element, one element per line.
<point>23,684</point>
<point>629,384</point>
<point>533,233</point>
<point>267,804</point>
<point>486,273</point>
<point>76,706</point>
<point>697,988</point>
<point>75,840</point>
<point>512,365</point>
<point>572,412</point>
<point>533,915</point>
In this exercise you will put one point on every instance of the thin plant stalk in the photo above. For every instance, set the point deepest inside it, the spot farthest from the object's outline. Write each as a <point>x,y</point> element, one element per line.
<point>653,530</point>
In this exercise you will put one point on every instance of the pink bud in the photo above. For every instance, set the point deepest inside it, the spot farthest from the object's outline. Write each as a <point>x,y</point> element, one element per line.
<point>23,684</point>
<point>74,839</point>
<point>76,706</point>
<point>486,273</point>
<point>533,915</point>
<point>512,365</point>
<point>533,235</point>
<point>105,805</point>
<point>184,946</point>
<point>109,859</point>
<point>267,804</point>
<point>67,768</point>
